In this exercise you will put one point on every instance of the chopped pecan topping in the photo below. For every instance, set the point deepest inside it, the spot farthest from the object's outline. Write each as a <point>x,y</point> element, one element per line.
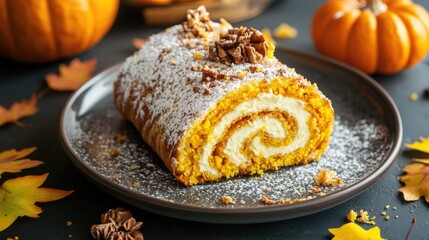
<point>239,45</point>
<point>209,74</point>
<point>198,22</point>
<point>207,90</point>
<point>117,224</point>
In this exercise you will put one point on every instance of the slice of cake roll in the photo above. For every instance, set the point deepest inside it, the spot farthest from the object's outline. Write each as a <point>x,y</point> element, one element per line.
<point>213,102</point>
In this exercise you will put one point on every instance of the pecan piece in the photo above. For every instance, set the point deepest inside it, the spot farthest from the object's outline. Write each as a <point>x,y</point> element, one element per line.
<point>239,45</point>
<point>198,22</point>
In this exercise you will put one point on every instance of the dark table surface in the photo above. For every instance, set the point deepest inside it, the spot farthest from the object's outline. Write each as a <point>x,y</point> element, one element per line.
<point>84,206</point>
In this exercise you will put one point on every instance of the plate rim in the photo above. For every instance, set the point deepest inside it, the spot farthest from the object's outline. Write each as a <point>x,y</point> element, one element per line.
<point>165,207</point>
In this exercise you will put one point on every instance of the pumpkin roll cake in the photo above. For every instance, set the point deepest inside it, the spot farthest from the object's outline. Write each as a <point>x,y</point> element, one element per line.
<point>213,102</point>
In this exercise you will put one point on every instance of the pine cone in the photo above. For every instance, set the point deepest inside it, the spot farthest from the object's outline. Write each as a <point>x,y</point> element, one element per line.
<point>117,224</point>
<point>118,215</point>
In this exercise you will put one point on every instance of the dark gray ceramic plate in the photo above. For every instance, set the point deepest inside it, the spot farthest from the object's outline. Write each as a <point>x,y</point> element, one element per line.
<point>363,145</point>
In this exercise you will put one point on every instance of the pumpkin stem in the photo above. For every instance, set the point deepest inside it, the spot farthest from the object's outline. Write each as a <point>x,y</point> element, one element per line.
<point>375,6</point>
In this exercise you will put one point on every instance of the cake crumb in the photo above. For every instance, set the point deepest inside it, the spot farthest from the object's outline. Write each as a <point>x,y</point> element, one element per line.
<point>266,189</point>
<point>361,217</point>
<point>197,199</point>
<point>113,151</point>
<point>198,56</point>
<point>115,177</point>
<point>242,202</point>
<point>241,74</point>
<point>133,167</point>
<point>383,213</point>
<point>387,218</point>
<point>327,178</point>
<point>285,201</point>
<point>69,223</point>
<point>120,138</point>
<point>352,215</point>
<point>387,206</point>
<point>396,216</point>
<point>316,190</point>
<point>267,201</point>
<point>414,96</point>
<point>227,200</point>
<point>135,185</point>
<point>394,208</point>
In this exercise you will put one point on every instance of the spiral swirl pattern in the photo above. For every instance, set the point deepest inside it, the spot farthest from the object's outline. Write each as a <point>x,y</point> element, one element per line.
<point>264,102</point>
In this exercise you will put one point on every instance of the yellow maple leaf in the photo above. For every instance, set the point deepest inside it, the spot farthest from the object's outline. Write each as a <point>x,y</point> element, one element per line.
<point>71,76</point>
<point>353,231</point>
<point>18,110</point>
<point>11,160</point>
<point>18,195</point>
<point>416,182</point>
<point>422,145</point>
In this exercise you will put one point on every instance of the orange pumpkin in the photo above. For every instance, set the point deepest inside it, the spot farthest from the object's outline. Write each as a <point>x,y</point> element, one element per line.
<point>375,36</point>
<point>44,30</point>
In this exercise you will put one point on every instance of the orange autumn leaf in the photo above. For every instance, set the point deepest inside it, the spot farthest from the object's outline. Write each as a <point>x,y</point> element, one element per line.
<point>12,161</point>
<point>353,231</point>
<point>139,42</point>
<point>71,76</point>
<point>18,110</point>
<point>416,181</point>
<point>18,195</point>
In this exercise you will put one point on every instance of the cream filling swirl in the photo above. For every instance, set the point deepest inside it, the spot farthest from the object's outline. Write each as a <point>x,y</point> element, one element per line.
<point>272,126</point>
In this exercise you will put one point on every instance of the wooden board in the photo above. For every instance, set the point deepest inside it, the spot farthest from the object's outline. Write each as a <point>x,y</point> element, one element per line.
<point>232,10</point>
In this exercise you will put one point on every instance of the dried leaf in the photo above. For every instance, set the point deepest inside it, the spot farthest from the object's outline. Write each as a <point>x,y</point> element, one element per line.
<point>425,161</point>
<point>18,195</point>
<point>11,160</point>
<point>18,110</point>
<point>422,145</point>
<point>139,42</point>
<point>353,231</point>
<point>416,182</point>
<point>73,76</point>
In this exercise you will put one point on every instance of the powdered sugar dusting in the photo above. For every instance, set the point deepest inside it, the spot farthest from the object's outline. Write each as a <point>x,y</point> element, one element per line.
<point>356,149</point>
<point>168,66</point>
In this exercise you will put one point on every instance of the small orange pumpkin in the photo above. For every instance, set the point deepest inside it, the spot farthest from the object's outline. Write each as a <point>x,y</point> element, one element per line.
<point>44,30</point>
<point>375,36</point>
